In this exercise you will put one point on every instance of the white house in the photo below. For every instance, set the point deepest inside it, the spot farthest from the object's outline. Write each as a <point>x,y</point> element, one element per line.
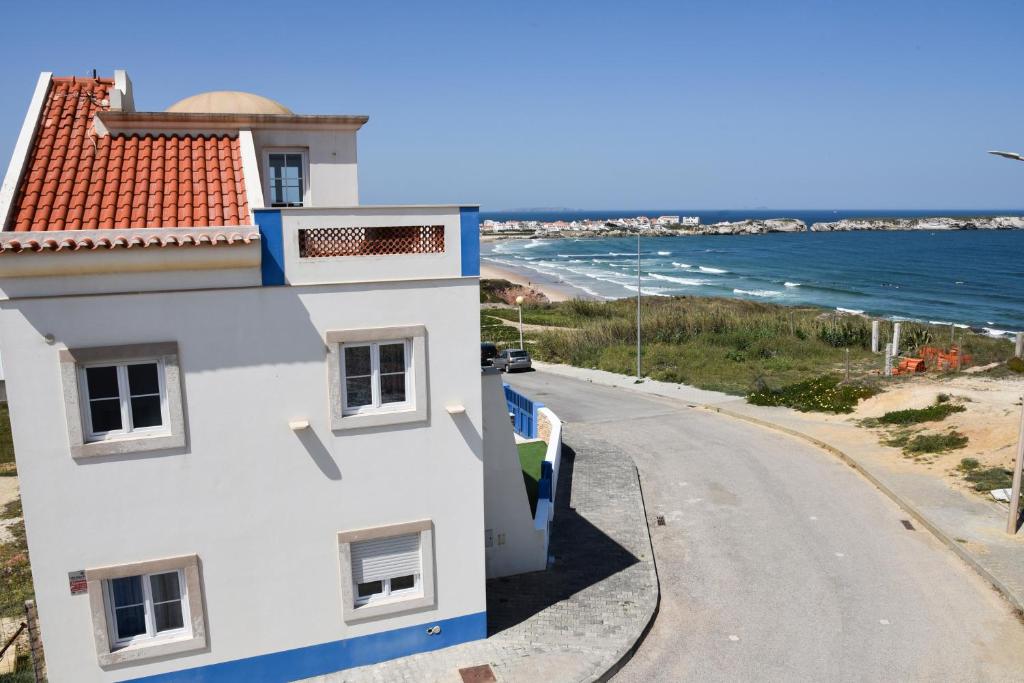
<point>247,411</point>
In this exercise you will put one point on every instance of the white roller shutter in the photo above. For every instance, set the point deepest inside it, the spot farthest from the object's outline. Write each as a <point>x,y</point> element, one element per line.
<point>384,558</point>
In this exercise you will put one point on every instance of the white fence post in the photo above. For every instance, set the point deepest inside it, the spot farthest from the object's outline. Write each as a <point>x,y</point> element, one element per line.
<point>875,329</point>
<point>887,370</point>
<point>896,339</point>
<point>1020,345</point>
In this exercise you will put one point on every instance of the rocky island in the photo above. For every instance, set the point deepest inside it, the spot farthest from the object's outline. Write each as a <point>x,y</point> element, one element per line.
<point>965,223</point>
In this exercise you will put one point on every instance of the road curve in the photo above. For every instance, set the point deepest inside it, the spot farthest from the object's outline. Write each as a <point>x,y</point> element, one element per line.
<point>779,563</point>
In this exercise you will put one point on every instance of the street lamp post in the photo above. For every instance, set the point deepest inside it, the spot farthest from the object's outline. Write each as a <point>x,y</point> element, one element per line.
<point>519,302</point>
<point>1014,513</point>
<point>639,377</point>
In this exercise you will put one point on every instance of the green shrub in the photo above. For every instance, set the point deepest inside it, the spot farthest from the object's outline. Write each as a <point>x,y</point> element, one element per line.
<point>935,443</point>
<point>822,394</point>
<point>990,478</point>
<point>845,333</point>
<point>933,413</point>
<point>968,464</point>
<point>1015,364</point>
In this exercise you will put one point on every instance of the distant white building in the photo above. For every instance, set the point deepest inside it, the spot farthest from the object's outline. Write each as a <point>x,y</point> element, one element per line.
<point>247,411</point>
<point>667,220</point>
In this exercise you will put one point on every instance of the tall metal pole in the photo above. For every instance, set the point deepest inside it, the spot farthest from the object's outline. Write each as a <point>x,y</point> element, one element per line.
<point>638,290</point>
<point>1011,520</point>
<point>519,302</point>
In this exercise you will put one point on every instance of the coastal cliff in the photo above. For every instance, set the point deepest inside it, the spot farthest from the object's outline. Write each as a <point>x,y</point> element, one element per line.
<point>940,223</point>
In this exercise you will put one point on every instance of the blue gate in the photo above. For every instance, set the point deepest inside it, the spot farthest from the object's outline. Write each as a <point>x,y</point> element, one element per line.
<point>523,411</point>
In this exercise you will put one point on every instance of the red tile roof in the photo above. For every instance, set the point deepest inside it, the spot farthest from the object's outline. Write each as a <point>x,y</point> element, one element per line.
<point>76,179</point>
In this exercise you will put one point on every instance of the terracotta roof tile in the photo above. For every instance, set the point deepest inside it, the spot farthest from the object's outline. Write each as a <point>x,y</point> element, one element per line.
<point>78,180</point>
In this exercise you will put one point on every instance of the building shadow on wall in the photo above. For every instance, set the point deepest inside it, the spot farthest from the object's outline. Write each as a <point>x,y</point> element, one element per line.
<point>583,556</point>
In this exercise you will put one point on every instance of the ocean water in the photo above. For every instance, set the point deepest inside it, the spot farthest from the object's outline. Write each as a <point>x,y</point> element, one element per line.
<point>708,216</point>
<point>972,278</point>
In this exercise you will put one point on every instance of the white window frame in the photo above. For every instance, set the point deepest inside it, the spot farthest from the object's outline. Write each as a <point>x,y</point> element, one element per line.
<point>416,407</point>
<point>420,597</point>
<point>113,651</point>
<point>128,429</point>
<point>376,406</point>
<point>83,443</point>
<point>151,634</point>
<point>268,185</point>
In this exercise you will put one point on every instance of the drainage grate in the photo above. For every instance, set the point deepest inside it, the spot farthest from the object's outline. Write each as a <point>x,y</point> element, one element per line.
<point>661,520</point>
<point>907,525</point>
<point>477,674</point>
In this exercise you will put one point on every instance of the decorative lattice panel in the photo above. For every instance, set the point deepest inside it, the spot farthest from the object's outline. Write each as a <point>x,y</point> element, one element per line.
<point>405,239</point>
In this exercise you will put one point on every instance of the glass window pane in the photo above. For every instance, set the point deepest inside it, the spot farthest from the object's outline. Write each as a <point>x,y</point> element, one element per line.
<point>105,414</point>
<point>365,590</point>
<point>167,616</point>
<point>131,621</point>
<point>291,195</point>
<point>392,388</point>
<point>142,379</point>
<point>276,162</point>
<point>102,381</point>
<point>165,587</point>
<point>126,591</point>
<point>146,412</point>
<point>358,392</point>
<point>357,360</point>
<point>403,582</point>
<point>392,357</point>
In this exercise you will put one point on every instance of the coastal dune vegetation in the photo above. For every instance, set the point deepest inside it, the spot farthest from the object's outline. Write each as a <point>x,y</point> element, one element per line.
<point>731,345</point>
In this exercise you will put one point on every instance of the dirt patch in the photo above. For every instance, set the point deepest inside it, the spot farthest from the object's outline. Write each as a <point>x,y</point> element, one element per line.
<point>990,420</point>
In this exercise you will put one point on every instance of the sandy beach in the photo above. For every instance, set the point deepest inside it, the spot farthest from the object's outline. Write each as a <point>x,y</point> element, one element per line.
<point>553,288</point>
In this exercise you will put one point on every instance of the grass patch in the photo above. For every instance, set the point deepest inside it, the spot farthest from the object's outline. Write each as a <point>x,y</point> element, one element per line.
<point>822,394</point>
<point>22,673</point>
<point>15,574</point>
<point>933,413</point>
<point>531,455</point>
<point>6,444</point>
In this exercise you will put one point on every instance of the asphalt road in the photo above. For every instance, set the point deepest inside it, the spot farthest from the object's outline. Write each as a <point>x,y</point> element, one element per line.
<point>779,563</point>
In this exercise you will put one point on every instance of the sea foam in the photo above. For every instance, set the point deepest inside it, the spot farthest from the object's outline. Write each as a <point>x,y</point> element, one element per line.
<point>713,271</point>
<point>757,292</point>
<point>692,282</point>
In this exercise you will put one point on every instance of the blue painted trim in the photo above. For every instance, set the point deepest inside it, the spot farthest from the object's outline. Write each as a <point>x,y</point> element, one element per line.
<point>544,485</point>
<point>524,412</point>
<point>469,220</point>
<point>318,660</point>
<point>271,246</point>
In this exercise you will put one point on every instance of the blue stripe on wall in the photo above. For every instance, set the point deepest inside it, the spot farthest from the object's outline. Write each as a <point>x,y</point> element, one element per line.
<point>271,245</point>
<point>317,660</point>
<point>469,217</point>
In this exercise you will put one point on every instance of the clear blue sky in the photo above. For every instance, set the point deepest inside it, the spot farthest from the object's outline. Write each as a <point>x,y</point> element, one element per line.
<point>732,105</point>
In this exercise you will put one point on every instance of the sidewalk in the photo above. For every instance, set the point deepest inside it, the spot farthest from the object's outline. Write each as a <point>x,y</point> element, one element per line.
<point>972,527</point>
<point>580,619</point>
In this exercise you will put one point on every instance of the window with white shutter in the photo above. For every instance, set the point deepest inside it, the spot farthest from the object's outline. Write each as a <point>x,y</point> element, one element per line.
<point>388,567</point>
<point>387,570</point>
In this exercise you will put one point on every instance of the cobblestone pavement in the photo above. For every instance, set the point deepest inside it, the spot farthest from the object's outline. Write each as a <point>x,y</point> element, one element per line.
<point>578,619</point>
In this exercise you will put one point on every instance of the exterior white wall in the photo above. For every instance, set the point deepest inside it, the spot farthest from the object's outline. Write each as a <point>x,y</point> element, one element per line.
<point>372,268</point>
<point>332,178</point>
<point>516,546</point>
<point>259,504</point>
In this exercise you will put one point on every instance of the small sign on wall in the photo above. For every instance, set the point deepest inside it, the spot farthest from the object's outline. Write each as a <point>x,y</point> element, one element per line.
<point>77,582</point>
